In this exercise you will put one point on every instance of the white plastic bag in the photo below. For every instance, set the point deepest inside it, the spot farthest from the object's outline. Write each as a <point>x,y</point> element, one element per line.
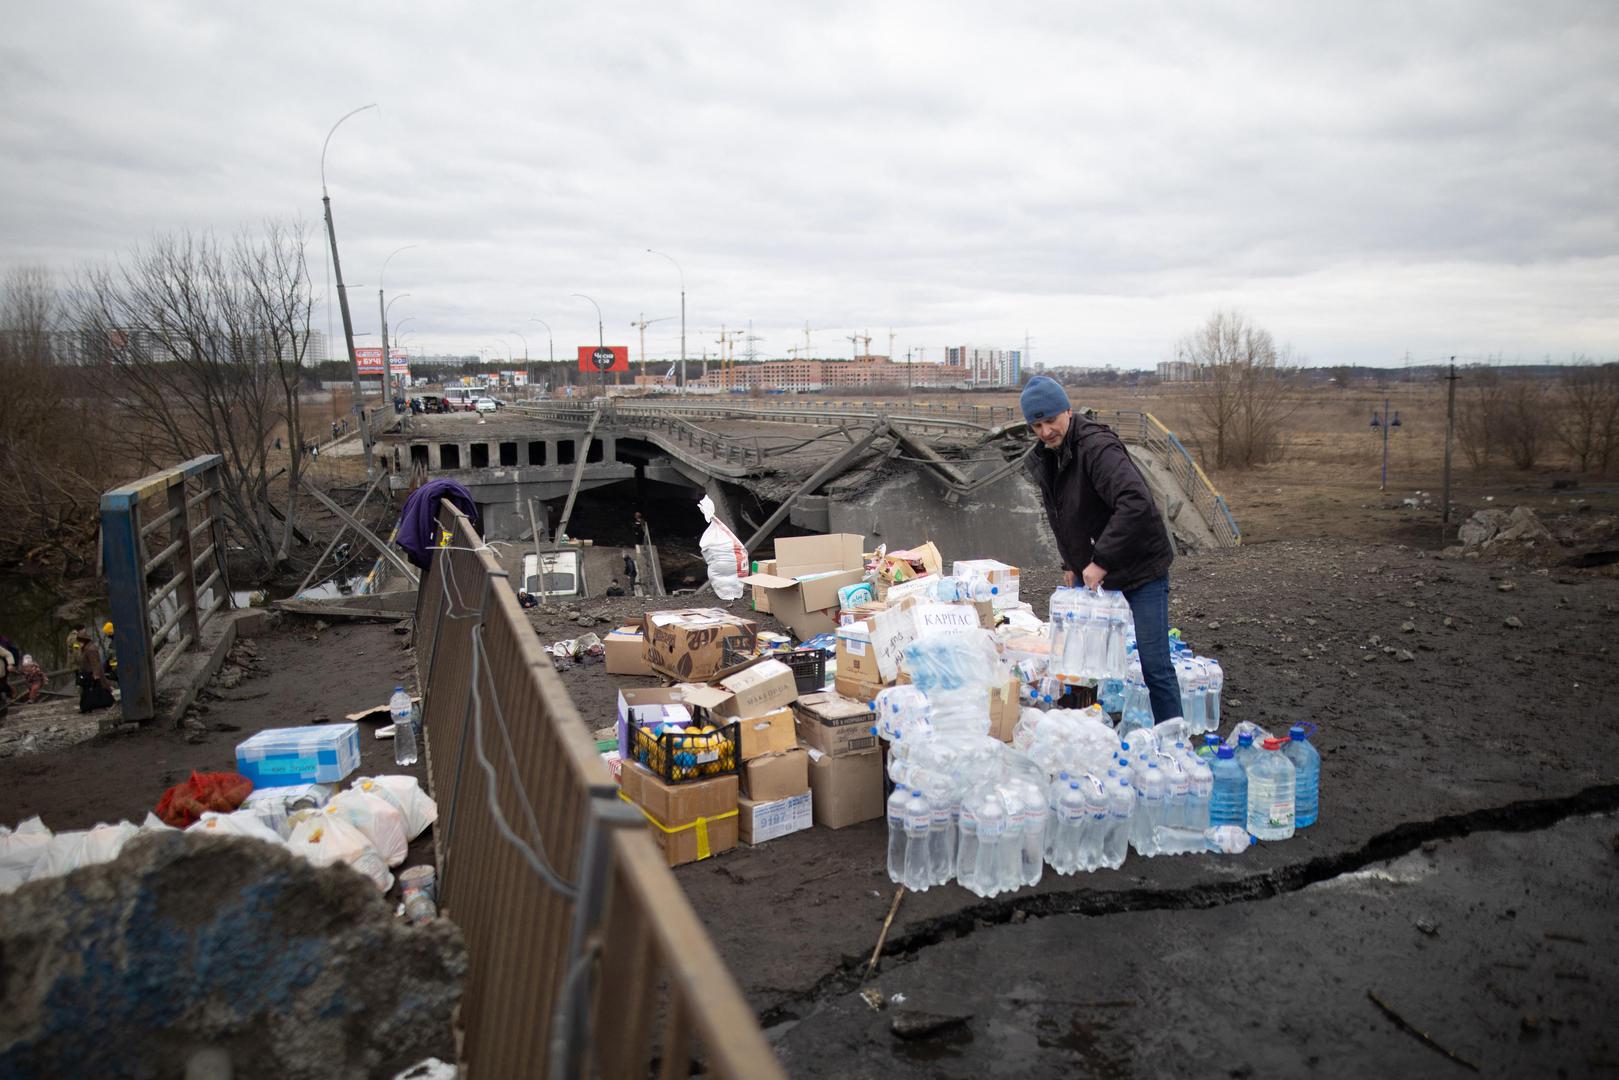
<point>106,841</point>
<point>406,793</point>
<point>20,851</point>
<point>377,818</point>
<point>274,806</point>
<point>727,559</point>
<point>65,852</point>
<point>327,837</point>
<point>236,823</point>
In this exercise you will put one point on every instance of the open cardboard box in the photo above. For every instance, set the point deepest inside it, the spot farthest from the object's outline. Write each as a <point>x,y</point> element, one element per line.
<point>697,644</point>
<point>803,592</point>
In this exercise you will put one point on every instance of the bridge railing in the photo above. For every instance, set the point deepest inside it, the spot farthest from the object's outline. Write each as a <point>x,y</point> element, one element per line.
<point>1145,429</point>
<point>583,951</point>
<point>164,547</point>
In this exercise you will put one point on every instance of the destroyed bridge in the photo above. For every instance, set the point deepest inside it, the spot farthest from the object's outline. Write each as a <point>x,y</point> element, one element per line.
<point>890,472</point>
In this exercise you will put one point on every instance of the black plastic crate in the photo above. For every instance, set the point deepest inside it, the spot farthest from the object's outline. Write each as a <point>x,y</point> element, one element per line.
<point>678,756</point>
<point>809,668</point>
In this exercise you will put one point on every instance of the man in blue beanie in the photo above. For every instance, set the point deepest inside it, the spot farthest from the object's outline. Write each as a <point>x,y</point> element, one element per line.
<point>1106,524</point>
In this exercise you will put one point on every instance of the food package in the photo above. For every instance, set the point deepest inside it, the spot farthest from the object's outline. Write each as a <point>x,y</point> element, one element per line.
<point>406,793</point>
<point>376,817</point>
<point>237,823</point>
<point>326,837</point>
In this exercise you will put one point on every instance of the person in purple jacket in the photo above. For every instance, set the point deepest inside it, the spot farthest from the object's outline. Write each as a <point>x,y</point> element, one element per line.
<point>1108,528</point>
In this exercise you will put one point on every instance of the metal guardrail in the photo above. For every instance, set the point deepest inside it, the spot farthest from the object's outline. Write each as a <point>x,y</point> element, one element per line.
<point>578,936</point>
<point>162,600</point>
<point>1144,429</point>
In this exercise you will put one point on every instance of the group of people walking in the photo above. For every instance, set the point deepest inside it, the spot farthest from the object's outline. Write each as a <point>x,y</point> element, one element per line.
<point>23,681</point>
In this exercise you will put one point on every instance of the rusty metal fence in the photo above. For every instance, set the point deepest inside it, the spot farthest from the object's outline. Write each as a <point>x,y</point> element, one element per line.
<point>585,959</point>
<point>163,539</point>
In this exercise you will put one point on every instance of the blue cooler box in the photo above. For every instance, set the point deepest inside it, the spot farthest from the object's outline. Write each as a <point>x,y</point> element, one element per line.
<point>278,757</point>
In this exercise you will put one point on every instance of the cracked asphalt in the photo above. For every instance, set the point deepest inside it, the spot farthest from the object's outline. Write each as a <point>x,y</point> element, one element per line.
<point>1450,739</point>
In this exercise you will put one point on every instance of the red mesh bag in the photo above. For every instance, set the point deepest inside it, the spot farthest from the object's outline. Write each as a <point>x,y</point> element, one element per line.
<point>184,803</point>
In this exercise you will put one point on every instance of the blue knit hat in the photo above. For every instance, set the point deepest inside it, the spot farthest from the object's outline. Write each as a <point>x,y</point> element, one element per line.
<point>1043,398</point>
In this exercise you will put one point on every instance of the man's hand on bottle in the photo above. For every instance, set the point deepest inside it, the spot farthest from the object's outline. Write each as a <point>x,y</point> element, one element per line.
<point>1092,576</point>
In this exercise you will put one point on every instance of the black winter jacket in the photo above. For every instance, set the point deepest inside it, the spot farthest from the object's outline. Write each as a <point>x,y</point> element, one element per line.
<point>1100,507</point>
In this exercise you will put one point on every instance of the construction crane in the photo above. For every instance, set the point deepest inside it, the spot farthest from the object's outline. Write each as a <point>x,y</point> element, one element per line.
<point>891,336</point>
<point>854,346</point>
<point>726,340</point>
<point>807,352</point>
<point>641,324</point>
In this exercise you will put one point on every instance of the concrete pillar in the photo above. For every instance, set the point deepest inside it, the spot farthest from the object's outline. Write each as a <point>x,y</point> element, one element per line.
<point>723,508</point>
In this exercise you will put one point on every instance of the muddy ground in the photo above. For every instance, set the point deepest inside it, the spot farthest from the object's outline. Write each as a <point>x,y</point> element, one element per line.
<point>1457,871</point>
<point>1437,721</point>
<point>301,672</point>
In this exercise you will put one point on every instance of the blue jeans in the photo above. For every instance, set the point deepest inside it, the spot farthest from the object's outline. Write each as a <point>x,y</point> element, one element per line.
<point>1149,605</point>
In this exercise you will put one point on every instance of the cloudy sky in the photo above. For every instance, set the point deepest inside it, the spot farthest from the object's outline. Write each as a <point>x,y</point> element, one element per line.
<point>1365,180</point>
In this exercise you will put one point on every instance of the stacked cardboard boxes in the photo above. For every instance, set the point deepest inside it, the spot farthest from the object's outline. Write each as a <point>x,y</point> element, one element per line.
<point>689,821</point>
<point>845,762</point>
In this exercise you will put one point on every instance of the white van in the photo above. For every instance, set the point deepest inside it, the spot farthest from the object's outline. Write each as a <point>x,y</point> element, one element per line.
<point>561,574</point>
<point>462,398</point>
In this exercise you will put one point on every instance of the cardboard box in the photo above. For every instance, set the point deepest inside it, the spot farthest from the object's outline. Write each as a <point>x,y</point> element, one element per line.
<point>901,566</point>
<point>852,686</point>
<point>626,652</point>
<point>856,658</point>
<point>776,776</point>
<point>768,734</point>
<point>689,821</point>
<point>834,724</point>
<point>803,592</point>
<point>758,822</point>
<point>759,594</point>
<point>633,699</point>
<point>698,644</point>
<point>1004,709</point>
<point>758,690</point>
<point>847,789</point>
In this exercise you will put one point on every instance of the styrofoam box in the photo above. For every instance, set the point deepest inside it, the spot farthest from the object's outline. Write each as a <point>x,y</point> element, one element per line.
<point>277,757</point>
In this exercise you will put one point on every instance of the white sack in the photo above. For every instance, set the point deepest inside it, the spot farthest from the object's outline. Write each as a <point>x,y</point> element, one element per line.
<point>377,818</point>
<point>727,559</point>
<point>406,793</point>
<point>326,838</point>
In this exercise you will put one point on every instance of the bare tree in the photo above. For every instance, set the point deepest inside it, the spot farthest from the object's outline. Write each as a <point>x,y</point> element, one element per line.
<point>1525,421</point>
<point>51,473</point>
<point>1240,399</point>
<point>1478,414</point>
<point>203,343</point>
<point>1588,407</point>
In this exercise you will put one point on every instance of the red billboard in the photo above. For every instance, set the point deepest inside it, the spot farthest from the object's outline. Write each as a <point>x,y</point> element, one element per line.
<point>595,358</point>
<point>369,361</point>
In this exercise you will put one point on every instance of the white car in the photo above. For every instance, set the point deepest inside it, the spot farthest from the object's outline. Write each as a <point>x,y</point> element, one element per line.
<point>487,404</point>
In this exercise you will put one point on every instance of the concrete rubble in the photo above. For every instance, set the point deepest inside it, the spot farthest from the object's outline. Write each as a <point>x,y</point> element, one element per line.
<point>189,943</point>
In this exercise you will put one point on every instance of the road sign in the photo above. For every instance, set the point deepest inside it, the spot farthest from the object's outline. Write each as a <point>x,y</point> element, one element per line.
<point>604,358</point>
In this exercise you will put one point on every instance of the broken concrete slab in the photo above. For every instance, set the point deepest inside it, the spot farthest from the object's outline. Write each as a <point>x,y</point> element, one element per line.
<point>188,942</point>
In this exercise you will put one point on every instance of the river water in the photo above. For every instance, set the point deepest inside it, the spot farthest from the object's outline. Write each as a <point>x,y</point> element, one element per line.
<point>29,608</point>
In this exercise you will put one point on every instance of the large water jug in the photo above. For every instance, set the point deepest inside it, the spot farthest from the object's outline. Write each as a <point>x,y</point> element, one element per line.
<point>1271,793</point>
<point>1307,775</point>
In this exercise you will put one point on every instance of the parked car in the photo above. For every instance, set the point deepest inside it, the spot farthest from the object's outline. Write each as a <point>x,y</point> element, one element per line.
<point>486,405</point>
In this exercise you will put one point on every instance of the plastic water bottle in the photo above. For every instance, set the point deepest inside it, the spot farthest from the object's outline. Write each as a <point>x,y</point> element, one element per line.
<point>1271,793</point>
<point>1008,872</point>
<point>942,841</point>
<point>1065,826</point>
<point>1036,817</point>
<point>918,862</point>
<point>1177,808</point>
<point>404,733</point>
<point>1229,803</point>
<point>1094,833</point>
<point>991,834</point>
<point>1216,684</point>
<point>1054,794</point>
<point>1151,792</point>
<point>1177,840</point>
<point>1246,750</point>
<point>967,849</point>
<point>1197,807</point>
<point>1307,775</point>
<point>896,833</point>
<point>1121,805</point>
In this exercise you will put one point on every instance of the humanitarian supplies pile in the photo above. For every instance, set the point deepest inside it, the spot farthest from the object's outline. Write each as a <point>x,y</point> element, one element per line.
<point>285,790</point>
<point>941,701</point>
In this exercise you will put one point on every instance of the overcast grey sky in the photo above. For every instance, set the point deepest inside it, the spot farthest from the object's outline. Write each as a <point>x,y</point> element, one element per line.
<point>1364,180</point>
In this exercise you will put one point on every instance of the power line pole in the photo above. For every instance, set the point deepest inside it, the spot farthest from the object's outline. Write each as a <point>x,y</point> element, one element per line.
<point>1450,429</point>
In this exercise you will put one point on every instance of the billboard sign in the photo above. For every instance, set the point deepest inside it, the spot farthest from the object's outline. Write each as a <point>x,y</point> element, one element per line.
<point>369,361</point>
<point>595,358</point>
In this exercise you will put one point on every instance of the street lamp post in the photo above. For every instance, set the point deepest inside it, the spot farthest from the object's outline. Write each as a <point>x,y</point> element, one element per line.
<point>1385,421</point>
<point>682,274</point>
<point>551,347</point>
<point>358,405</point>
<point>382,283</point>
<point>601,337</point>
